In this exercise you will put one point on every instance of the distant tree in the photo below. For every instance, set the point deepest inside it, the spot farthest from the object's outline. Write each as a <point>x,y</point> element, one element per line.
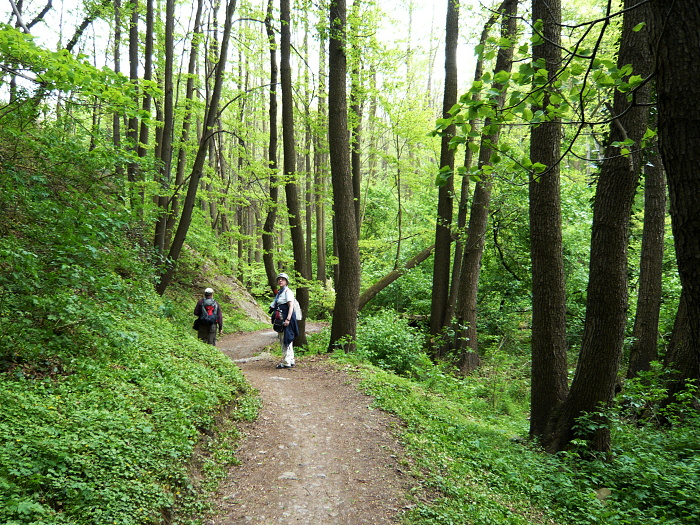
<point>344,325</point>
<point>211,116</point>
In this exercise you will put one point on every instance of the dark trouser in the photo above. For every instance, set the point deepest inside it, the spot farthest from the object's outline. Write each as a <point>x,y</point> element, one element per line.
<point>207,333</point>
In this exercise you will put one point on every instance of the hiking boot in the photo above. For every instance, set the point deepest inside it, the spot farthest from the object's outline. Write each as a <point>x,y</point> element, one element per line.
<point>282,365</point>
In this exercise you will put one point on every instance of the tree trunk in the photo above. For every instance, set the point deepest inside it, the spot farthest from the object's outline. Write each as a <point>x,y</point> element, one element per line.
<point>463,206</point>
<point>681,356</point>
<point>606,310</point>
<point>320,166</point>
<point>645,334</point>
<point>344,325</point>
<point>676,38</point>
<point>268,235</point>
<point>291,186</point>
<point>443,233</point>
<point>198,165</point>
<point>465,342</point>
<point>549,366</point>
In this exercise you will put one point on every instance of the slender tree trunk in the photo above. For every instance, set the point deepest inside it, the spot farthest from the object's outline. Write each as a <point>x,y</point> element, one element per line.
<point>463,206</point>
<point>321,165</point>
<point>132,129</point>
<point>198,165</point>
<point>268,236</point>
<point>291,186</point>
<point>645,334</point>
<point>174,201</point>
<point>466,342</point>
<point>549,384</point>
<point>344,326</point>
<point>166,135</point>
<point>443,233</point>
<point>606,309</point>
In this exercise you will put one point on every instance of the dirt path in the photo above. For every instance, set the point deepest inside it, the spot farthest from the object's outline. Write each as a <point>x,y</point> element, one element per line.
<point>317,454</point>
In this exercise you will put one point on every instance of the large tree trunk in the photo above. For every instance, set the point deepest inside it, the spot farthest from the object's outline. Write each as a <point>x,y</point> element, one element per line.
<point>344,326</point>
<point>198,165</point>
<point>268,235</point>
<point>549,367</point>
<point>681,356</point>
<point>606,311</point>
<point>465,342</point>
<point>291,186</point>
<point>443,234</point>
<point>677,40</point>
<point>645,334</point>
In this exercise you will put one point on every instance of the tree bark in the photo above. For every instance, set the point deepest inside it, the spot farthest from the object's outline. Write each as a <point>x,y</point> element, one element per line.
<point>268,235</point>
<point>344,325</point>
<point>443,234</point>
<point>595,378</point>
<point>676,38</point>
<point>645,334</point>
<point>549,383</point>
<point>291,186</point>
<point>465,342</point>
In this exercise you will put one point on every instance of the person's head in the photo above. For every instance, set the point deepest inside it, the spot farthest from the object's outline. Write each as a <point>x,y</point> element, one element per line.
<point>208,292</point>
<point>282,279</point>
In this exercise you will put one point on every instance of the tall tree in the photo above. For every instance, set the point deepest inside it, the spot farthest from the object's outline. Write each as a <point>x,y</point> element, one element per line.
<point>271,217</point>
<point>212,113</point>
<point>344,326</point>
<point>549,383</point>
<point>443,233</point>
<point>676,40</point>
<point>645,333</point>
<point>466,343</point>
<point>606,307</point>
<point>321,162</point>
<point>291,185</point>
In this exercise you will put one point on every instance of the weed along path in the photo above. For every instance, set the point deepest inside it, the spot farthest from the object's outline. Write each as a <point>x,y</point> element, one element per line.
<point>318,452</point>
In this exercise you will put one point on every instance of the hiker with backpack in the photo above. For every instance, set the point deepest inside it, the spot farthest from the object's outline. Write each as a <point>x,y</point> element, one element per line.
<point>209,317</point>
<point>287,307</point>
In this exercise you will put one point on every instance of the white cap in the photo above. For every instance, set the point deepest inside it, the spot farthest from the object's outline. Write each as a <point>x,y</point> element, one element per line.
<point>283,276</point>
<point>208,291</point>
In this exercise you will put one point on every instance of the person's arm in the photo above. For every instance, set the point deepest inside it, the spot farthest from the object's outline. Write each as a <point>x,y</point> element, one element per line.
<point>290,303</point>
<point>220,319</point>
<point>198,308</point>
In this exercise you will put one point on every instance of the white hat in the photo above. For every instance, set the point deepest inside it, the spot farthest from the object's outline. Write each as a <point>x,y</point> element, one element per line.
<point>283,276</point>
<point>208,291</point>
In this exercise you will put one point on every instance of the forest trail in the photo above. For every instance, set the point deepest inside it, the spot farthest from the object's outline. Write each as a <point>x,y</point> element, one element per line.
<point>317,454</point>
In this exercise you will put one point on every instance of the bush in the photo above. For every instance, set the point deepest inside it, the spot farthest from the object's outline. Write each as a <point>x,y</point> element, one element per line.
<point>387,341</point>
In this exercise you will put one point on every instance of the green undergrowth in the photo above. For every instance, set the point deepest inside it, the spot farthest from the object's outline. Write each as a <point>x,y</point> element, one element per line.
<point>111,410</point>
<point>473,463</point>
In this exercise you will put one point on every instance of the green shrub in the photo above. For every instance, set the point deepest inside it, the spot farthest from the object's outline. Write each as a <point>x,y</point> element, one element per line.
<point>387,341</point>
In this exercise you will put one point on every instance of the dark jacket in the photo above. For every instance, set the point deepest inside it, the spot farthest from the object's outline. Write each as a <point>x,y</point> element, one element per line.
<point>219,315</point>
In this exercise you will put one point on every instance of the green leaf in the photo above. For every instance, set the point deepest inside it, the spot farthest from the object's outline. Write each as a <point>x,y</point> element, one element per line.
<point>639,27</point>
